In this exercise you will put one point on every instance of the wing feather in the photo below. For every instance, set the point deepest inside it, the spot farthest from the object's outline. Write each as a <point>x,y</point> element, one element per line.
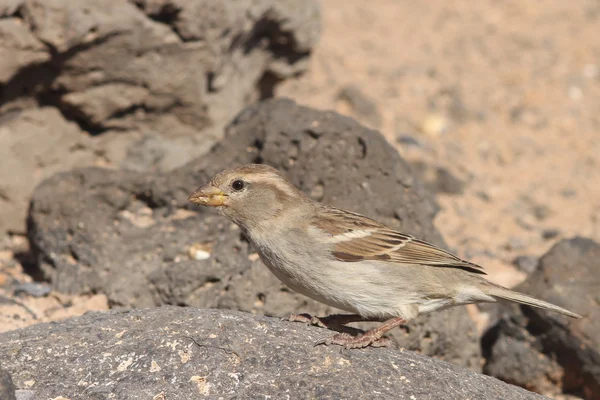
<point>357,238</point>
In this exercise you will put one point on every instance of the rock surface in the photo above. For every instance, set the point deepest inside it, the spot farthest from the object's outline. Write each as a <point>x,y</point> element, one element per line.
<point>185,353</point>
<point>541,350</point>
<point>135,238</point>
<point>7,388</point>
<point>33,141</point>
<point>123,75</point>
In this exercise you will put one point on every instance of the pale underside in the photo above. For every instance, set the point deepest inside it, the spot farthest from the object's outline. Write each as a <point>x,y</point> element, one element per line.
<point>363,267</point>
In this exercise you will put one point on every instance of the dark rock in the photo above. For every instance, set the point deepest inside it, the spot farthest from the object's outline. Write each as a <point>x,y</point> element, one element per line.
<point>187,353</point>
<point>86,91</point>
<point>408,140</point>
<point>133,237</point>
<point>361,106</point>
<point>527,264</point>
<point>550,233</point>
<point>7,388</point>
<point>548,352</point>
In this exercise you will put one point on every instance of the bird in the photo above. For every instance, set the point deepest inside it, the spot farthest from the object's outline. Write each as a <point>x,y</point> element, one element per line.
<point>346,260</point>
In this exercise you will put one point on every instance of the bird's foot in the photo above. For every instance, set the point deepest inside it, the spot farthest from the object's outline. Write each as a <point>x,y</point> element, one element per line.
<point>355,342</point>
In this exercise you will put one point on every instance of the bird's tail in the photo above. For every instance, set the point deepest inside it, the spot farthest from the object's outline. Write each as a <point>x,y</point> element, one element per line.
<point>500,292</point>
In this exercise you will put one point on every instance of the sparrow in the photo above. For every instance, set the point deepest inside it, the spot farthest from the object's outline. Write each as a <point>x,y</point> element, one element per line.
<point>346,260</point>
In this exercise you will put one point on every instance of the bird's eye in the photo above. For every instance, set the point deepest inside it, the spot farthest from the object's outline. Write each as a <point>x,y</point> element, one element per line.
<point>238,185</point>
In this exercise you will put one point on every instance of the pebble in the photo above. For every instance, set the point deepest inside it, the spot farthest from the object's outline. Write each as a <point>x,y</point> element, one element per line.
<point>408,140</point>
<point>550,233</point>
<point>33,289</point>
<point>434,125</point>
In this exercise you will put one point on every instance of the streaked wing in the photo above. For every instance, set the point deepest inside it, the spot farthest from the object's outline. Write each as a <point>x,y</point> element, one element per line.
<point>358,238</point>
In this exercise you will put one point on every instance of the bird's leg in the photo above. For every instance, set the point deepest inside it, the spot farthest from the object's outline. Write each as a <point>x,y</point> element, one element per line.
<point>371,338</point>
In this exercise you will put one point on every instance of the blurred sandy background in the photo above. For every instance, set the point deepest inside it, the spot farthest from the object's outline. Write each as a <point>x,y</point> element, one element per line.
<point>505,96</point>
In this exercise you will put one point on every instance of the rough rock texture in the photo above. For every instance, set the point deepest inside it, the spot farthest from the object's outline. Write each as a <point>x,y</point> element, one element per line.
<point>185,353</point>
<point>160,71</point>
<point>135,237</point>
<point>541,350</point>
<point>35,140</point>
<point>7,388</point>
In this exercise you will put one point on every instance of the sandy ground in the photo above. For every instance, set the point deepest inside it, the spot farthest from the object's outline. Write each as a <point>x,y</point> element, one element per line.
<point>503,95</point>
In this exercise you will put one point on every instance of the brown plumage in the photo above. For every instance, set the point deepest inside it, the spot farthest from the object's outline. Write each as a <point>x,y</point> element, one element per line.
<point>383,243</point>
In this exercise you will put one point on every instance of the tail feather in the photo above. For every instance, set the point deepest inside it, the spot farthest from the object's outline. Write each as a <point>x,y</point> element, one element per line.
<point>506,294</point>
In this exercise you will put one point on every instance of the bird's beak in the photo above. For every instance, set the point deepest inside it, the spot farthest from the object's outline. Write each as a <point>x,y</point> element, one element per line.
<point>208,196</point>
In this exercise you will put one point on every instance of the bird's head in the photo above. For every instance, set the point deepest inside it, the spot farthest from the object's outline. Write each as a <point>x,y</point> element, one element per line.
<point>249,195</point>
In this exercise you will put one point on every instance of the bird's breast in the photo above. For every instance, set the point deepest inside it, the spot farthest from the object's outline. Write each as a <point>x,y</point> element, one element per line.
<point>292,260</point>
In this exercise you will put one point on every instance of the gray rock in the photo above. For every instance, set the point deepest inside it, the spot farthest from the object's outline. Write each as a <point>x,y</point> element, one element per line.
<point>186,353</point>
<point>34,289</point>
<point>18,48</point>
<point>135,237</point>
<point>25,394</point>
<point>550,233</point>
<point>171,63</point>
<point>34,145</point>
<point>547,352</point>
<point>409,140</point>
<point>526,263</point>
<point>84,82</point>
<point>7,388</point>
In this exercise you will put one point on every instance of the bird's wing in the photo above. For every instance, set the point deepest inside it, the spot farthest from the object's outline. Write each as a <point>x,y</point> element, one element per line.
<point>357,238</point>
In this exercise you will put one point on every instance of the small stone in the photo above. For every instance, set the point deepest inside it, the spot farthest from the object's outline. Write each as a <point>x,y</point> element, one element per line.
<point>434,125</point>
<point>200,251</point>
<point>408,140</point>
<point>550,233</point>
<point>541,211</point>
<point>33,289</point>
<point>483,196</point>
